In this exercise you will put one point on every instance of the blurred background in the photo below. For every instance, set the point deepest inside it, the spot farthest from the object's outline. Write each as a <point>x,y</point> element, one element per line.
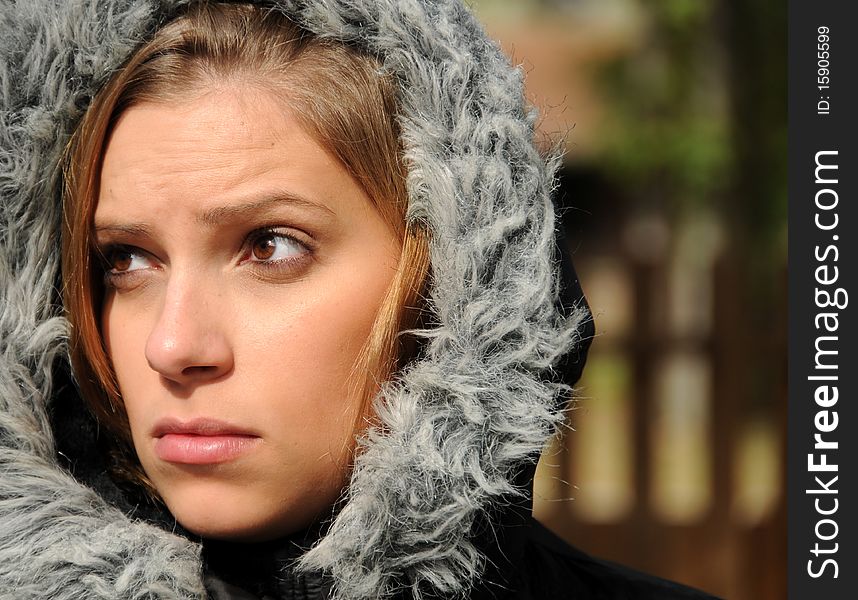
<point>673,196</point>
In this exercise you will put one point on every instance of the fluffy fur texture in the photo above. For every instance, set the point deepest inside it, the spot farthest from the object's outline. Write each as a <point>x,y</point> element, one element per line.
<point>456,425</point>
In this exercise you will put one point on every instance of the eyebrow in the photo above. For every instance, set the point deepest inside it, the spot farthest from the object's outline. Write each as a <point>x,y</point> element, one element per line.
<point>133,229</point>
<point>215,216</point>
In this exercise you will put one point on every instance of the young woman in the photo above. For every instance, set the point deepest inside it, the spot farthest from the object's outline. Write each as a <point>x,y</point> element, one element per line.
<point>297,258</point>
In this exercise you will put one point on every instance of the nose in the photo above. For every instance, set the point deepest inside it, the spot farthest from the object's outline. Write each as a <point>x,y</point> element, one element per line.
<point>189,343</point>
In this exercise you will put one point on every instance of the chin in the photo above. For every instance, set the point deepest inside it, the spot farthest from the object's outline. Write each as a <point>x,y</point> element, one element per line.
<point>221,511</point>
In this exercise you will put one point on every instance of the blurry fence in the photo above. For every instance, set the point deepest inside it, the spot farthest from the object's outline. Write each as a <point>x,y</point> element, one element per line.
<point>674,463</point>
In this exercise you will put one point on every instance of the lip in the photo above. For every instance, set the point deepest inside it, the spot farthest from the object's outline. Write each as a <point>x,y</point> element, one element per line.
<point>201,441</point>
<point>199,426</point>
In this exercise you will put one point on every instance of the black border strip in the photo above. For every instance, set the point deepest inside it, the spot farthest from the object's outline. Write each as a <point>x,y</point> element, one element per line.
<point>823,419</point>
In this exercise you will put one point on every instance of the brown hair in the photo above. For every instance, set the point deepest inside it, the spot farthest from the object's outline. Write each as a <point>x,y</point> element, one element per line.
<point>338,96</point>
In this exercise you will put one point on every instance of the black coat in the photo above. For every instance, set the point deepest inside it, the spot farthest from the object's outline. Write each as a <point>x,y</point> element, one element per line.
<point>545,568</point>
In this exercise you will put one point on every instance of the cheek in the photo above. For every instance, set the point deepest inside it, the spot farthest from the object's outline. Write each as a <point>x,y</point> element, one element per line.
<point>125,329</point>
<point>309,347</point>
<point>303,355</point>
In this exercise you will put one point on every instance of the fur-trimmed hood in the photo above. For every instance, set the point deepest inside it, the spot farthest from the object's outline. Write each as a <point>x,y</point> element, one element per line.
<point>460,425</point>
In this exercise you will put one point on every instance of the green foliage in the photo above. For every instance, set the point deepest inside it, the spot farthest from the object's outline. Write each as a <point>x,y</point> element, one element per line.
<point>682,15</point>
<point>667,131</point>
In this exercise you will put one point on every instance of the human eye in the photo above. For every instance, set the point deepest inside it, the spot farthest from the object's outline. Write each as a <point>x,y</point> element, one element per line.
<point>275,248</point>
<point>123,263</point>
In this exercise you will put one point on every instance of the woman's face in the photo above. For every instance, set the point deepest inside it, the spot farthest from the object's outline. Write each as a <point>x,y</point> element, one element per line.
<point>244,268</point>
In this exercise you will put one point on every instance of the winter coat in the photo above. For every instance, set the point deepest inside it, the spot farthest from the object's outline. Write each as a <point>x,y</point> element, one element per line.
<point>443,513</point>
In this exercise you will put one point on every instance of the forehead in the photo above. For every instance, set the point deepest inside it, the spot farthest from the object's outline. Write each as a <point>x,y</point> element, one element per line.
<point>222,145</point>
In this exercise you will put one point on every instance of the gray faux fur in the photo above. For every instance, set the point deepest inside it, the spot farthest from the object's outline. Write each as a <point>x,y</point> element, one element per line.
<point>457,423</point>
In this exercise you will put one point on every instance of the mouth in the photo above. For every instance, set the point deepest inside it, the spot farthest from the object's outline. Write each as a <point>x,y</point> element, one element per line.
<point>201,441</point>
